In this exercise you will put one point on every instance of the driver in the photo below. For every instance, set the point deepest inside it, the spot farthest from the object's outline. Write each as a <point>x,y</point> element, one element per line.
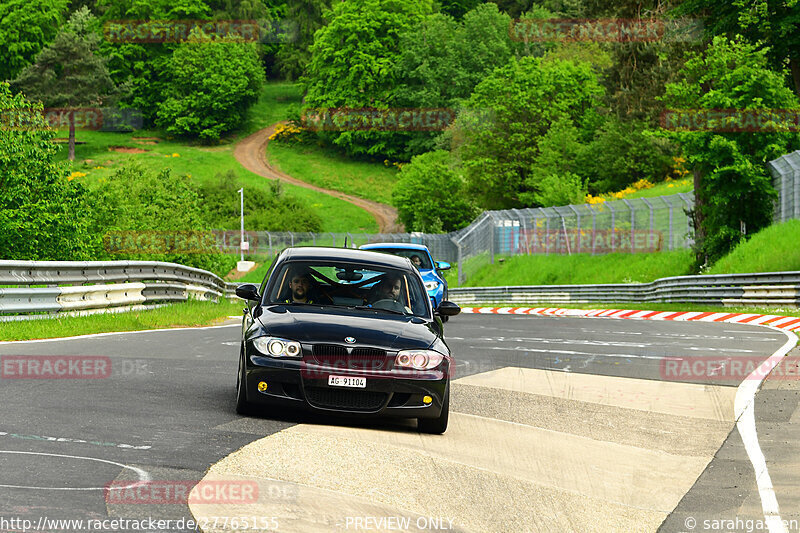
<point>389,288</point>
<point>300,285</point>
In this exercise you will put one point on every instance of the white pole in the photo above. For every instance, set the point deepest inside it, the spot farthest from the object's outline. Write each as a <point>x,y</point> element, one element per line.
<point>241,237</point>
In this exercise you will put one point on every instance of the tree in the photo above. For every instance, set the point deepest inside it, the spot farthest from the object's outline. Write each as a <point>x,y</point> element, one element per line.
<point>732,187</point>
<point>430,195</point>
<point>68,72</point>
<point>162,214</point>
<point>145,65</point>
<point>354,65</point>
<point>212,82</point>
<point>42,213</point>
<point>308,16</point>
<point>25,28</point>
<point>773,25</point>
<point>523,99</point>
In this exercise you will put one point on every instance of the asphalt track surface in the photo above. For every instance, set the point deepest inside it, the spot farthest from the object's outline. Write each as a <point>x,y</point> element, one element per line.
<point>166,412</point>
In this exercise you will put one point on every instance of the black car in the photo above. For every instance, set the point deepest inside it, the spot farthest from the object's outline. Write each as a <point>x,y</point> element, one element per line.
<point>345,331</point>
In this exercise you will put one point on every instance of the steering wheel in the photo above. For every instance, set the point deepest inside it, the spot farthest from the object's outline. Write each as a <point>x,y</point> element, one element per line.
<point>391,305</point>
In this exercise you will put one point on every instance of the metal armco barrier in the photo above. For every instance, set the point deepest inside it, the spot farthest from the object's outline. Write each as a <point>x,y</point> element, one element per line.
<point>74,285</point>
<point>760,289</point>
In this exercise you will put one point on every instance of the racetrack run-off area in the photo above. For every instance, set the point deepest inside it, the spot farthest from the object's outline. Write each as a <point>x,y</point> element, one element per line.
<point>251,152</point>
<point>557,424</point>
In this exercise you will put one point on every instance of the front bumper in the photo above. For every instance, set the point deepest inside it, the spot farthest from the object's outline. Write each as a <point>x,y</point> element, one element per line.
<point>304,385</point>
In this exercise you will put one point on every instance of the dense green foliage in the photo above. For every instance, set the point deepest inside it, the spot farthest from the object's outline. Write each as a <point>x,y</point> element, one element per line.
<point>211,84</point>
<point>42,214</point>
<point>145,65</point>
<point>523,99</point>
<point>732,186</point>
<point>164,212</point>
<point>25,29</point>
<point>430,195</point>
<point>771,24</point>
<point>264,211</point>
<point>354,65</point>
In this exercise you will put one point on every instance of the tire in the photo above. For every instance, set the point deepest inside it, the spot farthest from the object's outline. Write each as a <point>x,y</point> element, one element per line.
<point>436,426</point>
<point>243,407</point>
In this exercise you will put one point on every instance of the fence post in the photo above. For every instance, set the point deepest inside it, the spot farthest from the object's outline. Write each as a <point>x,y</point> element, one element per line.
<point>613,225</point>
<point>491,240</point>
<point>633,224</point>
<point>578,227</point>
<point>594,225</point>
<point>689,204</point>
<point>546,234</point>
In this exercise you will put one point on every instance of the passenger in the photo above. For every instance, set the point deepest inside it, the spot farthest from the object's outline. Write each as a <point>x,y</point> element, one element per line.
<point>417,260</point>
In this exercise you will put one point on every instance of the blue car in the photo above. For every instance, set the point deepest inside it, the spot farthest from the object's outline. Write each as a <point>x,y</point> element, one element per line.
<point>419,254</point>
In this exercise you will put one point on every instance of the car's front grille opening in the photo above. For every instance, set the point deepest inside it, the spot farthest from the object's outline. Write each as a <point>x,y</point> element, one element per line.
<point>292,390</point>
<point>334,356</point>
<point>399,399</point>
<point>354,400</point>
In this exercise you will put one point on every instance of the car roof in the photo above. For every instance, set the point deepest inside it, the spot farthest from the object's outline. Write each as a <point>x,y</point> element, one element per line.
<point>396,245</point>
<point>325,253</point>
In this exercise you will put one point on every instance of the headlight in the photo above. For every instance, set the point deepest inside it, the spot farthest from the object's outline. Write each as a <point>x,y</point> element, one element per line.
<point>418,359</point>
<point>275,347</point>
<point>431,285</point>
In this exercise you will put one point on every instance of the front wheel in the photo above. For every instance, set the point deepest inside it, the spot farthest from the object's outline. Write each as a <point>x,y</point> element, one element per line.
<point>438,425</point>
<point>243,407</point>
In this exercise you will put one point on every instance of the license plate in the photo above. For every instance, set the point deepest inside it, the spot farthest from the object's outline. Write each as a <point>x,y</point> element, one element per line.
<point>344,381</point>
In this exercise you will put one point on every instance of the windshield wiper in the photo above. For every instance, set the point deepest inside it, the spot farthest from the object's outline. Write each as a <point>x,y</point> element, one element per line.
<point>370,308</point>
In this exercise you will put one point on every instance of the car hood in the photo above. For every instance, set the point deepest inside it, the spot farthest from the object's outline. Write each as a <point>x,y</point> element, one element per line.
<point>331,326</point>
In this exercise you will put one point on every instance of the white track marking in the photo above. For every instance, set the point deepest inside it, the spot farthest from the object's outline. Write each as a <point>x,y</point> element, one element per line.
<point>107,334</point>
<point>144,477</point>
<point>746,424</point>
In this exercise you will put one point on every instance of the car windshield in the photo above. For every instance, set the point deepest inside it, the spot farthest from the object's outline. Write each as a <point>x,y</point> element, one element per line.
<point>419,258</point>
<point>349,285</point>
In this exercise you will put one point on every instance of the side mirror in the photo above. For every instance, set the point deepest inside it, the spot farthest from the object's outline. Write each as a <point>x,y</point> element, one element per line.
<point>442,265</point>
<point>448,309</point>
<point>248,291</point>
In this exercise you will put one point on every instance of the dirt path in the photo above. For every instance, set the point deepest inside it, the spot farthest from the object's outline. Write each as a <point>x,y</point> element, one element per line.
<point>251,152</point>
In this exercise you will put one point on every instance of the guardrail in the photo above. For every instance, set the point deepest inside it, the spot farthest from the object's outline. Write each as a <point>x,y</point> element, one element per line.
<point>58,286</point>
<point>763,289</point>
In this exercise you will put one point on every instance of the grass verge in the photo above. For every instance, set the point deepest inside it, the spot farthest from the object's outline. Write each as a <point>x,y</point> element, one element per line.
<point>773,249</point>
<point>327,168</point>
<point>192,313</point>
<point>579,269</point>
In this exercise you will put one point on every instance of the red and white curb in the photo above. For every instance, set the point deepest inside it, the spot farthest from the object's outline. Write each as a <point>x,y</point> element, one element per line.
<point>786,323</point>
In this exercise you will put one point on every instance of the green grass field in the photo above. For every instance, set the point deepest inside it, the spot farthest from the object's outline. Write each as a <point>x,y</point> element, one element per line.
<point>579,269</point>
<point>192,313</point>
<point>774,249</point>
<point>663,189</point>
<point>330,169</point>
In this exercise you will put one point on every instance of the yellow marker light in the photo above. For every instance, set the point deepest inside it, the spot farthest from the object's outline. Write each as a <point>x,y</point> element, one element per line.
<point>262,386</point>
<point>427,400</point>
